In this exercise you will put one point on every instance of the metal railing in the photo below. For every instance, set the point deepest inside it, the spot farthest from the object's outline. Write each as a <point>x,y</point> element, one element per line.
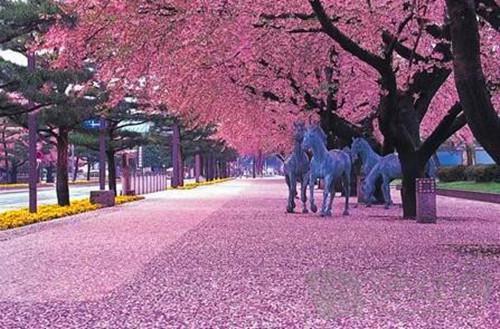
<point>148,183</point>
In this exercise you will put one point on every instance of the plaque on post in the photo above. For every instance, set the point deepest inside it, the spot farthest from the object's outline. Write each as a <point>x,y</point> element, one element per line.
<point>426,200</point>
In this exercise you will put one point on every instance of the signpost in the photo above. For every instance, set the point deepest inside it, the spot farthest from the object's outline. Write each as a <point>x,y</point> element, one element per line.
<point>92,124</point>
<point>102,197</point>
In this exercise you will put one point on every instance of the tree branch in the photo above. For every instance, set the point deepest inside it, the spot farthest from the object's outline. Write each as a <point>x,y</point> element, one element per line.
<point>344,41</point>
<point>450,124</point>
<point>401,49</point>
<point>489,11</point>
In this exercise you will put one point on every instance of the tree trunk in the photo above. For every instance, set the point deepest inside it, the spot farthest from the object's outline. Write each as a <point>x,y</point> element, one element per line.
<point>176,161</point>
<point>254,167</point>
<point>12,173</point>
<point>181,168</point>
<point>50,173</point>
<point>62,188</point>
<point>89,167</point>
<point>75,168</point>
<point>211,169</point>
<point>412,169</point>
<point>470,154</point>
<point>206,162</point>
<point>197,167</point>
<point>110,154</point>
<point>6,156</point>
<point>469,77</point>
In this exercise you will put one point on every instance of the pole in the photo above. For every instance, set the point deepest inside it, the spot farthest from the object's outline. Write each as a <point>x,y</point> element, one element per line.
<point>32,140</point>
<point>102,154</point>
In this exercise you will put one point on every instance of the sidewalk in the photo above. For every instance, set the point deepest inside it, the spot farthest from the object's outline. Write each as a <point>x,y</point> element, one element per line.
<point>228,256</point>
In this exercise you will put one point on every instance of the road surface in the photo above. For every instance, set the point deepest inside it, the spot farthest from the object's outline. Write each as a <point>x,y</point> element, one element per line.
<point>17,199</point>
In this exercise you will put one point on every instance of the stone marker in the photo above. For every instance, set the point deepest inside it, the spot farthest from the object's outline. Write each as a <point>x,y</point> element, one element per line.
<point>125,179</point>
<point>426,200</point>
<point>103,198</point>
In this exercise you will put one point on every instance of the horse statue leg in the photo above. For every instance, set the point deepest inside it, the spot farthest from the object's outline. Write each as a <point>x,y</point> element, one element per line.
<point>331,189</point>
<point>292,191</point>
<point>386,191</point>
<point>312,181</point>
<point>303,192</point>
<point>326,193</point>
<point>346,181</point>
<point>369,199</point>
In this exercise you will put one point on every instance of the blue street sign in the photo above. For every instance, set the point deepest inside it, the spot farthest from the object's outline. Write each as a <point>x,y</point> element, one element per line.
<point>91,124</point>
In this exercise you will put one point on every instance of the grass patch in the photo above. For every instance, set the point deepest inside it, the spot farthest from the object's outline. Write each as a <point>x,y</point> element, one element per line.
<point>190,186</point>
<point>490,187</point>
<point>22,217</point>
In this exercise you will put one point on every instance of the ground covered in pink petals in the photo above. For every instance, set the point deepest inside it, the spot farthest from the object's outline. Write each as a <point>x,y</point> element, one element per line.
<point>240,261</point>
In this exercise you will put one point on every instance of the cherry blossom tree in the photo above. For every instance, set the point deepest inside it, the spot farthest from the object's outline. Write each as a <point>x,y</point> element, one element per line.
<point>252,68</point>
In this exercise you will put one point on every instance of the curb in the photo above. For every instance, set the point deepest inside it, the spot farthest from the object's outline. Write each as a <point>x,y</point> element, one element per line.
<point>469,195</point>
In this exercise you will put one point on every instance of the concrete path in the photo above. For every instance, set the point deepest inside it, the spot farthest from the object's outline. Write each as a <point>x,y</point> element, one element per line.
<point>227,256</point>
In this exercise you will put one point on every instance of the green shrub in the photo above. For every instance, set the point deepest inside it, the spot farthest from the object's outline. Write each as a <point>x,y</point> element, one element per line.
<point>478,173</point>
<point>484,174</point>
<point>481,174</point>
<point>451,174</point>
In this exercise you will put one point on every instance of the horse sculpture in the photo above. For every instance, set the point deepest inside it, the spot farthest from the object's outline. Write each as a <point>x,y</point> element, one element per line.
<point>389,168</point>
<point>375,166</point>
<point>329,165</point>
<point>369,158</point>
<point>296,169</point>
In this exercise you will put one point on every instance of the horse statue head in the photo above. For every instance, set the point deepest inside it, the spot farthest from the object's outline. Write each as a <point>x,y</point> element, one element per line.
<point>358,146</point>
<point>299,129</point>
<point>314,136</point>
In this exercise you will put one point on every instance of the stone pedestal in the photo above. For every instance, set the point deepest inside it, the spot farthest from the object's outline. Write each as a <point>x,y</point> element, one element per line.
<point>103,198</point>
<point>426,200</point>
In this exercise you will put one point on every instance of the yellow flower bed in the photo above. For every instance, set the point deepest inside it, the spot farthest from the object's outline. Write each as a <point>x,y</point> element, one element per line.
<point>190,186</point>
<point>121,199</point>
<point>21,217</point>
<point>13,185</point>
<point>82,182</point>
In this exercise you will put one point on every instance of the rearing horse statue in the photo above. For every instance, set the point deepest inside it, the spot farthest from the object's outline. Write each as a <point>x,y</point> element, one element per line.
<point>296,169</point>
<point>329,165</point>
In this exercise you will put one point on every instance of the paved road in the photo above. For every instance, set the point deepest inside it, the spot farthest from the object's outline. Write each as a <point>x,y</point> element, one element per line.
<point>227,256</point>
<point>47,195</point>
